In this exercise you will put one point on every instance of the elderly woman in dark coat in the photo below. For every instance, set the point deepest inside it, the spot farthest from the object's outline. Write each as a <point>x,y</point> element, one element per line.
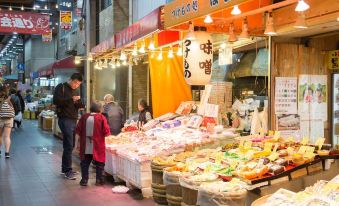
<point>114,114</point>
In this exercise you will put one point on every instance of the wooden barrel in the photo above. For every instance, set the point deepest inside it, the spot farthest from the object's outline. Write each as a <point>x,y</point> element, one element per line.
<point>159,199</point>
<point>157,173</point>
<point>159,193</point>
<point>173,200</point>
<point>189,196</point>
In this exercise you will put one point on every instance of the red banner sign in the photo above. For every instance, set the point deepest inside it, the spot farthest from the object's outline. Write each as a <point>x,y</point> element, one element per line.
<point>139,29</point>
<point>104,46</point>
<point>23,22</point>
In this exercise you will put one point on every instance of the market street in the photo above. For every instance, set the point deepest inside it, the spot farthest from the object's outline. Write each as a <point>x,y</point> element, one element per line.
<point>31,177</point>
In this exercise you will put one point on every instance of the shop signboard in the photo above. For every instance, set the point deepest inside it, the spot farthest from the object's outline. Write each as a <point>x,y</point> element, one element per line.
<point>66,5</point>
<point>333,60</point>
<point>145,26</point>
<point>23,22</point>
<point>48,37</point>
<point>20,67</point>
<point>198,58</point>
<point>286,95</point>
<point>45,73</point>
<point>104,46</point>
<point>66,20</point>
<point>180,11</point>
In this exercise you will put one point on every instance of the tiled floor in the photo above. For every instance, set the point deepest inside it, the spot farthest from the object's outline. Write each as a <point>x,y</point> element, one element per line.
<point>31,177</point>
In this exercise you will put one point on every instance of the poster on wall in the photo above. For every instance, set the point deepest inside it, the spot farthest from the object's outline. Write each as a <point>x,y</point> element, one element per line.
<point>333,59</point>
<point>48,37</point>
<point>66,20</point>
<point>312,97</point>
<point>314,129</point>
<point>286,95</point>
<point>288,125</point>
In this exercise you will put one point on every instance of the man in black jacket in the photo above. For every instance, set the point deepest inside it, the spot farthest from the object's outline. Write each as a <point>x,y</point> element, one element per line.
<point>68,102</point>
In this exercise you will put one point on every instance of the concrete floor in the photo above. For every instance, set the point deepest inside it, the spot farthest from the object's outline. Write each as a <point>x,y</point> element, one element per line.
<point>31,177</point>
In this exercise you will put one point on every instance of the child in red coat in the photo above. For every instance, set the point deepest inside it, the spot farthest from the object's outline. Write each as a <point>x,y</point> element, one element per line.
<point>92,129</point>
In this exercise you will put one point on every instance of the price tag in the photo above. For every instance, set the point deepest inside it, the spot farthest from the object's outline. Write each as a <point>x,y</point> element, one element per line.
<point>305,140</point>
<point>270,133</point>
<point>248,144</point>
<point>290,139</point>
<point>262,132</point>
<point>290,150</point>
<point>241,144</point>
<point>273,156</point>
<point>310,149</point>
<point>268,146</point>
<point>320,143</point>
<point>276,135</point>
<point>275,148</point>
<point>302,149</point>
<point>218,158</point>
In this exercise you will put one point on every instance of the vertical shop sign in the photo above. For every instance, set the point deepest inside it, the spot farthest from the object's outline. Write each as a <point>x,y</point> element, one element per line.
<point>198,59</point>
<point>286,95</point>
<point>48,37</point>
<point>66,20</point>
<point>333,60</point>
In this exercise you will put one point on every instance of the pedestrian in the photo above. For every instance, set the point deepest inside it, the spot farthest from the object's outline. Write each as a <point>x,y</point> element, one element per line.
<point>28,96</point>
<point>145,114</point>
<point>91,130</point>
<point>22,106</point>
<point>68,103</point>
<point>17,107</point>
<point>114,114</point>
<point>6,120</point>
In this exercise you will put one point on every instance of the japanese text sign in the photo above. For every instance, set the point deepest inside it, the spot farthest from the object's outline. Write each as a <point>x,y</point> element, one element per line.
<point>198,59</point>
<point>148,24</point>
<point>23,22</point>
<point>48,37</point>
<point>333,60</point>
<point>66,20</point>
<point>180,11</point>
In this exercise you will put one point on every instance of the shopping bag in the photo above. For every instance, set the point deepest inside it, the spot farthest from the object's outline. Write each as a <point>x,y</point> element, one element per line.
<point>18,117</point>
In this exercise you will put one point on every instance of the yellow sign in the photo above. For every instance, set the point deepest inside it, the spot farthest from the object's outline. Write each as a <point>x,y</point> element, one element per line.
<point>66,20</point>
<point>320,143</point>
<point>180,11</point>
<point>268,146</point>
<point>302,149</point>
<point>310,149</point>
<point>305,140</point>
<point>270,133</point>
<point>275,147</point>
<point>273,156</point>
<point>333,59</point>
<point>248,144</point>
<point>276,135</point>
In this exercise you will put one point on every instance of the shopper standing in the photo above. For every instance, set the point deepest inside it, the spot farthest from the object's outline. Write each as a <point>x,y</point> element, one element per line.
<point>68,103</point>
<point>17,106</point>
<point>145,113</point>
<point>28,97</point>
<point>92,130</point>
<point>6,119</point>
<point>114,114</point>
<point>22,106</point>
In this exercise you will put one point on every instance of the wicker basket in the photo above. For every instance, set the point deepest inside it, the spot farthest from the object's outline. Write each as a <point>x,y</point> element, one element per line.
<point>189,196</point>
<point>173,201</point>
<point>160,199</point>
<point>207,198</point>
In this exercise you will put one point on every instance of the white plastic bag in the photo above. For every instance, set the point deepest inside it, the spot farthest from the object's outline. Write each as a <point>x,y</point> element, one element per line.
<point>18,117</point>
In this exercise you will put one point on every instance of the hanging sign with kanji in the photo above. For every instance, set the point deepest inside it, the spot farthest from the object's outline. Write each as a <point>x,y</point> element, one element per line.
<point>66,20</point>
<point>48,37</point>
<point>198,58</point>
<point>23,22</point>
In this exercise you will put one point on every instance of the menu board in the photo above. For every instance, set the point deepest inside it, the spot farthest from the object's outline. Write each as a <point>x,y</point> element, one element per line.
<point>286,95</point>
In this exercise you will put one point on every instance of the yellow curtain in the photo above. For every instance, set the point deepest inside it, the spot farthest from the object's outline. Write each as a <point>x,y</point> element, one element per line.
<point>168,84</point>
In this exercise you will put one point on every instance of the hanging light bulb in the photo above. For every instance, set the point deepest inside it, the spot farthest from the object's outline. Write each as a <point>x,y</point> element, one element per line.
<point>190,35</point>
<point>269,30</point>
<point>135,50</point>
<point>112,63</point>
<point>244,31</point>
<point>151,45</point>
<point>160,56</point>
<point>232,37</point>
<point>208,19</point>
<point>236,10</point>
<point>56,6</point>
<point>22,8</point>
<point>179,52</point>
<point>10,8</point>
<point>123,56</point>
<point>170,53</point>
<point>124,62</point>
<point>152,55</point>
<point>142,48</point>
<point>301,21</point>
<point>223,45</point>
<point>104,64</point>
<point>302,6</point>
<point>118,63</point>
<point>46,7</point>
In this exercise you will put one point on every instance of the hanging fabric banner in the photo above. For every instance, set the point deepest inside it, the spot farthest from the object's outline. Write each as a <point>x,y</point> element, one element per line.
<point>66,20</point>
<point>48,37</point>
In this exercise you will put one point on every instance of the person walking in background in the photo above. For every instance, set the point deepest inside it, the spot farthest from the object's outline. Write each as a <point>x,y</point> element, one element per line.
<point>22,106</point>
<point>17,106</point>
<point>28,96</point>
<point>68,103</point>
<point>114,114</point>
<point>145,113</point>
<point>91,130</point>
<point>6,120</point>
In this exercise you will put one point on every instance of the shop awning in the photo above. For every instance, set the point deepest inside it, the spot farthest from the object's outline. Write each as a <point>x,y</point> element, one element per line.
<point>11,77</point>
<point>103,47</point>
<point>48,70</point>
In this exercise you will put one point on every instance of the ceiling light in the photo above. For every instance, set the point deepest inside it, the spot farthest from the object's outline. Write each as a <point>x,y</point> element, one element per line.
<point>77,60</point>
<point>22,8</point>
<point>190,35</point>
<point>151,45</point>
<point>223,45</point>
<point>135,50</point>
<point>118,64</point>
<point>208,19</point>
<point>56,6</point>
<point>152,56</point>
<point>160,56</point>
<point>10,8</point>
<point>123,56</point>
<point>179,52</point>
<point>302,6</point>
<point>124,63</point>
<point>46,7</point>
<point>232,37</point>
<point>244,31</point>
<point>170,53</point>
<point>301,21</point>
<point>269,30</point>
<point>142,48</point>
<point>112,63</point>
<point>236,10</point>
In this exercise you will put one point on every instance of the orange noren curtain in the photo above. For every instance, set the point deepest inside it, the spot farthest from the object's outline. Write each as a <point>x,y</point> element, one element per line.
<point>169,87</point>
